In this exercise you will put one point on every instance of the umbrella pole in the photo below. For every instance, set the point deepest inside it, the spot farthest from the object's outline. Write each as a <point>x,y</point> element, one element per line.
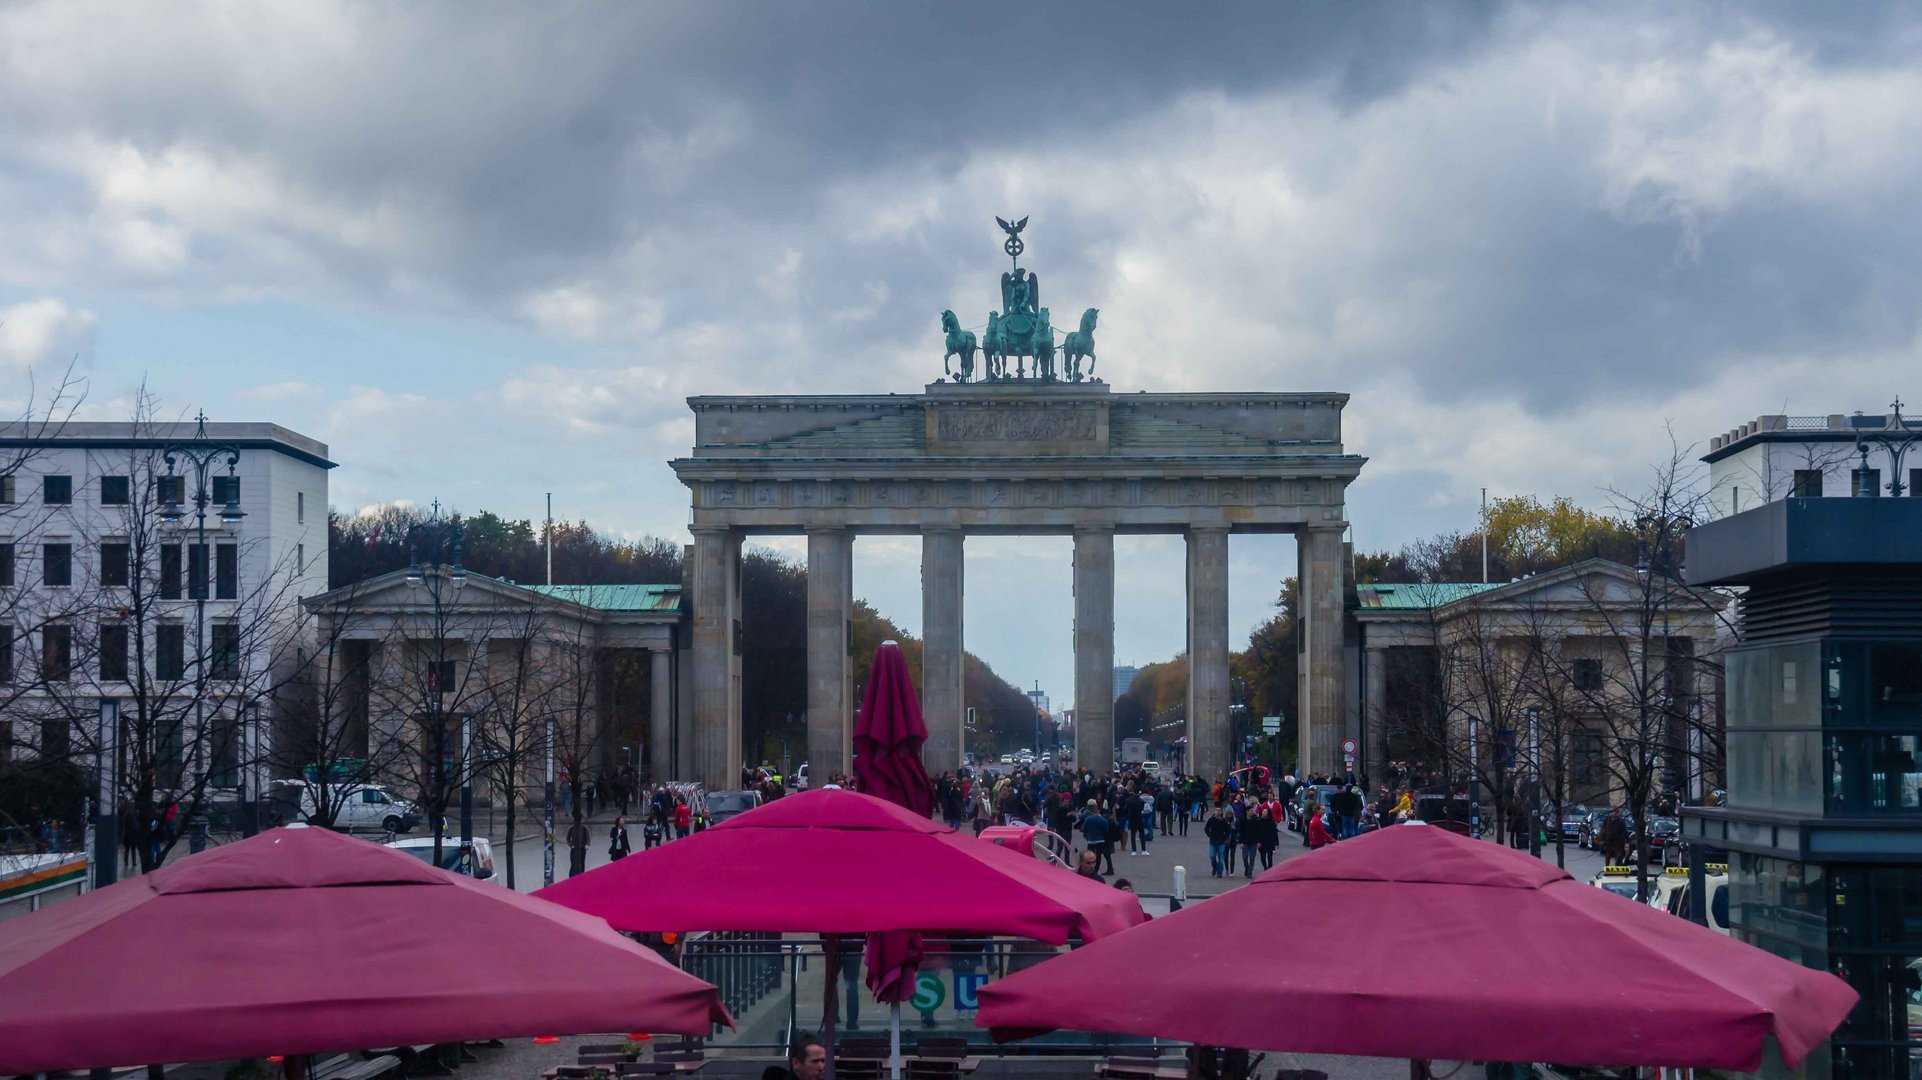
<point>831,965</point>
<point>1418,1070</point>
<point>894,1040</point>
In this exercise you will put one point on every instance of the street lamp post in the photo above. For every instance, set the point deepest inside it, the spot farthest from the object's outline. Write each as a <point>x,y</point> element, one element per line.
<point>441,576</point>
<point>196,458</point>
<point>1896,437</point>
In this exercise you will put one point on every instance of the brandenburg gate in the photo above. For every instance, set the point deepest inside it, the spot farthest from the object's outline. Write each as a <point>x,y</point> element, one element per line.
<point>1051,453</point>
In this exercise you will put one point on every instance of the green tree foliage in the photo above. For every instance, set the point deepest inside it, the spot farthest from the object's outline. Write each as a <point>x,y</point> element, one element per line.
<point>374,542</point>
<point>1525,536</point>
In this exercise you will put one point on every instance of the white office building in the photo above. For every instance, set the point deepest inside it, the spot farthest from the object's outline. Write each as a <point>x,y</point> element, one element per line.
<point>171,588</point>
<point>1776,457</point>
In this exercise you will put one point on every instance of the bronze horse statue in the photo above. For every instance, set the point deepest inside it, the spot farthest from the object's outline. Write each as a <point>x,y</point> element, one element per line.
<point>1079,346</point>
<point>960,343</point>
<point>999,343</point>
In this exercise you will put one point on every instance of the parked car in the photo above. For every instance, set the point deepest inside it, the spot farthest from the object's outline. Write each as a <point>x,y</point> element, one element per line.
<point>1663,833</point>
<point>722,805</point>
<point>1571,820</point>
<point>1297,806</point>
<point>422,848</point>
<point>1445,811</point>
<point>360,807</point>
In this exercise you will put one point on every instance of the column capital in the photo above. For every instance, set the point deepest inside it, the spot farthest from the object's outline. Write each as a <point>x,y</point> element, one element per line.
<point>710,530</point>
<point>1205,529</point>
<point>940,530</point>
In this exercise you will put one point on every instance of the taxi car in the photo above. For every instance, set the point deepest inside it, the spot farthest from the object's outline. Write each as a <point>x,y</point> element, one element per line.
<point>1619,880</point>
<point>1669,890</point>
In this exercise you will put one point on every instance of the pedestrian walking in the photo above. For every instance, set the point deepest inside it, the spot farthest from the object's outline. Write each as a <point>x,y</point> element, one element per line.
<point>683,819</point>
<point>1250,841</point>
<point>1267,836</point>
<point>618,845</point>
<point>1220,831</point>
<point>1098,831</point>
<point>1317,833</point>
<point>577,837</point>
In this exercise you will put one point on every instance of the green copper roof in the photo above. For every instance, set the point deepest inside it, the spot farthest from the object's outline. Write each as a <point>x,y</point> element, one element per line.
<point>615,597</point>
<point>1419,596</point>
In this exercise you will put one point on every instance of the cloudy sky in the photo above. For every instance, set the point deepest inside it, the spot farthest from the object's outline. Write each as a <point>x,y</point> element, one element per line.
<point>486,251</point>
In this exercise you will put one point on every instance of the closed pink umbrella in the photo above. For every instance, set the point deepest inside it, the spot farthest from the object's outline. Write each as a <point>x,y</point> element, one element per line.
<point>1413,942</point>
<point>887,765</point>
<point>304,941</point>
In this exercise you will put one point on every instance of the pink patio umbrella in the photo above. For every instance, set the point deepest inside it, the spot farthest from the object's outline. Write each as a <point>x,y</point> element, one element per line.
<point>1413,942</point>
<point>887,765</point>
<point>872,866</point>
<point>303,941</point>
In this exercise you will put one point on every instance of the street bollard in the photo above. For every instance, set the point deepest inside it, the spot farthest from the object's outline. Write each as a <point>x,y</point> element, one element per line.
<point>1180,890</point>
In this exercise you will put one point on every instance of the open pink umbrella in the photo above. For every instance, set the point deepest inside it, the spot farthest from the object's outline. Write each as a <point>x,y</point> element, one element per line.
<point>871,866</point>
<point>887,765</point>
<point>304,941</point>
<point>1413,942</point>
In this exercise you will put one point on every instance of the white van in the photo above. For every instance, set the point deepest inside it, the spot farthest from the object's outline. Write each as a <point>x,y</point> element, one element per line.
<point>362,807</point>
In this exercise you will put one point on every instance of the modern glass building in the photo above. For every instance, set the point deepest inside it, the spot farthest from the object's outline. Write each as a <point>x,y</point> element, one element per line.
<point>1823,822</point>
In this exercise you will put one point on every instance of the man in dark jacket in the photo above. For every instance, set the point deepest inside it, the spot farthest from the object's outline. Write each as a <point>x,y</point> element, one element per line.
<point>577,838</point>
<point>1221,833</point>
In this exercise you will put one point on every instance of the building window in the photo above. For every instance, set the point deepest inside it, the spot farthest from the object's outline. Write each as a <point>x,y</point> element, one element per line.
<point>6,490</point>
<point>1588,764</point>
<point>170,651</point>
<point>113,652</point>
<point>116,490</point>
<point>56,653</point>
<point>56,564</point>
<point>114,564</point>
<point>300,558</point>
<point>440,676</point>
<point>223,770</point>
<point>6,564</point>
<point>170,571</point>
<point>56,490</point>
<point>225,661</point>
<point>226,490</point>
<point>170,490</point>
<point>56,739</point>
<point>1865,483</point>
<point>226,572</point>
<point>300,508</point>
<point>170,753</point>
<point>1808,484</point>
<point>6,654</point>
<point>196,571</point>
<point>1588,674</point>
<point>1915,482</point>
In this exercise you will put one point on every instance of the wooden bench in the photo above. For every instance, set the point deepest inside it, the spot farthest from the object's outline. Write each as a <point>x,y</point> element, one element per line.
<point>1129,1067</point>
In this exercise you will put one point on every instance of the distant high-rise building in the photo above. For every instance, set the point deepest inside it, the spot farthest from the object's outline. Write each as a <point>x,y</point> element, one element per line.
<point>1123,675</point>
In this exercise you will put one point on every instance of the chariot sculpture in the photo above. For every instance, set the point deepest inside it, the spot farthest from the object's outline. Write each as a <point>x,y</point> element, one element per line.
<point>1020,330</point>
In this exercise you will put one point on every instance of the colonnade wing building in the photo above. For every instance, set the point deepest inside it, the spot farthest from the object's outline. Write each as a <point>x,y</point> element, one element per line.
<point>1013,458</point>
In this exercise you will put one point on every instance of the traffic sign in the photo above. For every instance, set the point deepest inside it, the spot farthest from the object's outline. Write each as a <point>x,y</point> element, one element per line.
<point>1271,725</point>
<point>1348,746</point>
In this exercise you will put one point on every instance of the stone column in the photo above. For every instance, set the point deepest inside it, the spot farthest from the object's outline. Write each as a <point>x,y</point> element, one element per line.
<point>1209,729</point>
<point>660,716</point>
<point>830,642</point>
<point>1094,647</point>
<point>1374,759</point>
<point>941,656</point>
<point>1320,720</point>
<point>717,657</point>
